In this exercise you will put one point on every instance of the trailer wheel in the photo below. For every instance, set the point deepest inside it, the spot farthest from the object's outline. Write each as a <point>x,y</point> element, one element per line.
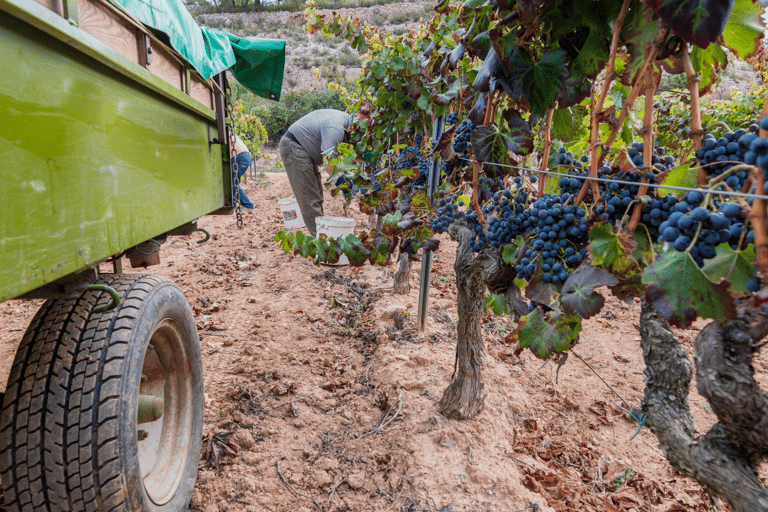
<point>80,382</point>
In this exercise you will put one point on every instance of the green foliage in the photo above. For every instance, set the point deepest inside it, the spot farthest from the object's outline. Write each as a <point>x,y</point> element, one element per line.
<point>735,266</point>
<point>623,477</point>
<point>250,129</point>
<point>276,117</point>
<point>546,334</point>
<point>328,250</point>
<point>504,65</point>
<point>496,303</point>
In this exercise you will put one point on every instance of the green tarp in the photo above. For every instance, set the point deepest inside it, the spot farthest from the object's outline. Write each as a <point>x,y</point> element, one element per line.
<point>256,63</point>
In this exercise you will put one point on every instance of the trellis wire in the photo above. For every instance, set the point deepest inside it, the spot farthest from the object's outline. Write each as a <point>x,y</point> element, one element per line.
<point>623,182</point>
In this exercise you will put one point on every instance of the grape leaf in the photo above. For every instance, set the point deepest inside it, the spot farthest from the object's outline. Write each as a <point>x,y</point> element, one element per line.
<point>286,238</point>
<point>708,62</point>
<point>744,31</point>
<point>509,255</point>
<point>518,132</point>
<point>496,303</point>
<point>477,114</point>
<point>696,21</point>
<point>390,222</point>
<point>552,180</point>
<point>354,249</point>
<point>735,266</point>
<point>305,246</point>
<point>540,291</point>
<point>607,250</point>
<point>681,176</point>
<point>681,292</point>
<point>578,296</point>
<point>491,67</point>
<point>539,81</point>
<point>493,147</point>
<point>546,334</point>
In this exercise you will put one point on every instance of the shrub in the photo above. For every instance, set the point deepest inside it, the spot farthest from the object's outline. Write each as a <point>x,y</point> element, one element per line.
<point>276,117</point>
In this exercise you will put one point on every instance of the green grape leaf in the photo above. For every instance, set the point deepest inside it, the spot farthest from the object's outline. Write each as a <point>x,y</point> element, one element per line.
<point>354,250</point>
<point>607,250</point>
<point>305,245</point>
<point>328,250</point>
<point>381,255</point>
<point>390,222</point>
<point>509,254</point>
<point>552,180</point>
<point>744,30</point>
<point>496,303</point>
<point>681,292</point>
<point>564,126</point>
<point>546,334</point>
<point>643,253</point>
<point>539,81</point>
<point>578,296</point>
<point>493,147</point>
<point>286,238</point>
<point>735,266</point>
<point>681,176</point>
<point>707,63</point>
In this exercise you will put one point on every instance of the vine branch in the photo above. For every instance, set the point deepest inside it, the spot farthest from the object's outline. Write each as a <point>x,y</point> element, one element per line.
<point>697,132</point>
<point>757,215</point>
<point>547,149</point>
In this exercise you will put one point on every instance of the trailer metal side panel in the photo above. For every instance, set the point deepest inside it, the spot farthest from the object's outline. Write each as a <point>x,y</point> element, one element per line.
<point>96,154</point>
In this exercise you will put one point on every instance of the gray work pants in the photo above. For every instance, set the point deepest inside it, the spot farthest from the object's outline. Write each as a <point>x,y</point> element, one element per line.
<point>306,181</point>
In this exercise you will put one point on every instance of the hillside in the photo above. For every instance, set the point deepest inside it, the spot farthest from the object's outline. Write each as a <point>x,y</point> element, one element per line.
<point>309,56</point>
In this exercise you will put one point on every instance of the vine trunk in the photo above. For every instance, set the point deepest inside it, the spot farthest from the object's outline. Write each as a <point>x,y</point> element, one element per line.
<point>464,397</point>
<point>725,459</point>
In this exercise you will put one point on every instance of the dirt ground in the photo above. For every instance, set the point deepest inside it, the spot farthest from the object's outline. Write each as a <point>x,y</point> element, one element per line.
<point>316,401</point>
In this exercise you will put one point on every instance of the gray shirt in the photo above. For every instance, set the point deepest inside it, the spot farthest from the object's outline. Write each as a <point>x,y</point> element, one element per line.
<point>321,130</point>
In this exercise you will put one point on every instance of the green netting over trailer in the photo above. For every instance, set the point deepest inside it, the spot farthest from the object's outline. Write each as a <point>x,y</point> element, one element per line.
<point>256,63</point>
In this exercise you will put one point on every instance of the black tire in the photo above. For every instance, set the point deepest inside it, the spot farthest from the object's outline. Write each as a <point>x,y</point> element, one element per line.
<point>68,426</point>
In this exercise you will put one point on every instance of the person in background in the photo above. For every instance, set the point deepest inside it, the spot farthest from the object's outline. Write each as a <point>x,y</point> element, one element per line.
<point>302,148</point>
<point>243,161</point>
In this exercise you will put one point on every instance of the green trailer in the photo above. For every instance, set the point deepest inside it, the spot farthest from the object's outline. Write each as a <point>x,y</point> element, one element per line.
<point>111,140</point>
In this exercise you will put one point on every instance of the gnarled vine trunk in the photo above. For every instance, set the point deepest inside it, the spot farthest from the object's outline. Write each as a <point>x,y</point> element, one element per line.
<point>464,398</point>
<point>725,459</point>
<point>401,284</point>
<point>499,277</point>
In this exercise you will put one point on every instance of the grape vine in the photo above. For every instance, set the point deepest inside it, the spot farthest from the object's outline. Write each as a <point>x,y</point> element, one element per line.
<point>512,80</point>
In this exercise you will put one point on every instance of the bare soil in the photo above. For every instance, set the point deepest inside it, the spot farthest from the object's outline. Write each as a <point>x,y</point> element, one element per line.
<point>316,401</point>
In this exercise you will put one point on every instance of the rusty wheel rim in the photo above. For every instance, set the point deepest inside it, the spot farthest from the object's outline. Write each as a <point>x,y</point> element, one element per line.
<point>163,452</point>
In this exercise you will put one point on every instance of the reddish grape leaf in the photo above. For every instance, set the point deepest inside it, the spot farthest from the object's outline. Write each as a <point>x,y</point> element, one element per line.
<point>355,251</point>
<point>578,296</point>
<point>541,292</point>
<point>477,114</point>
<point>681,292</point>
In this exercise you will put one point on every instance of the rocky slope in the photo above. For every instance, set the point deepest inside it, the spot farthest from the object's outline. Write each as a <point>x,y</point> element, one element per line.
<point>313,61</point>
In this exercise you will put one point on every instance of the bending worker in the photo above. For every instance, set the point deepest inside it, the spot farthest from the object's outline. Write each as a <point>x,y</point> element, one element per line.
<point>302,148</point>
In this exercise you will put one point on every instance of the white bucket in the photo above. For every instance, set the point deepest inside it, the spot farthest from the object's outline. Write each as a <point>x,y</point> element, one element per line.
<point>291,213</point>
<point>335,227</point>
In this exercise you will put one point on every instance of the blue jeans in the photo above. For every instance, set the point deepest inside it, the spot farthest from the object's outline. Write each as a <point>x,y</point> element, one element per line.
<point>243,162</point>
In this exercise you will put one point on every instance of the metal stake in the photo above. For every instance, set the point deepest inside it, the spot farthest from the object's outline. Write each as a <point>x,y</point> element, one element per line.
<point>426,261</point>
